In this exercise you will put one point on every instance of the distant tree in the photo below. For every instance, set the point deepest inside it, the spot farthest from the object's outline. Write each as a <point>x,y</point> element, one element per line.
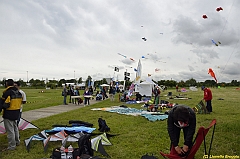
<point>234,83</point>
<point>80,80</point>
<point>191,82</point>
<point>210,83</point>
<point>104,81</point>
<point>181,83</point>
<point>60,82</point>
<point>162,82</point>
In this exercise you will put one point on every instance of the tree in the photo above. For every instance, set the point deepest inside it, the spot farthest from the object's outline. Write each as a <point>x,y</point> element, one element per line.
<point>80,80</point>
<point>191,82</point>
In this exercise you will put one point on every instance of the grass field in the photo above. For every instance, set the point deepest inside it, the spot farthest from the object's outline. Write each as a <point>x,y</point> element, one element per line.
<point>136,135</point>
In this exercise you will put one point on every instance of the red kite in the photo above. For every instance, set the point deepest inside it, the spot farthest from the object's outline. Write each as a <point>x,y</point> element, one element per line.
<point>204,16</point>
<point>210,71</point>
<point>219,9</point>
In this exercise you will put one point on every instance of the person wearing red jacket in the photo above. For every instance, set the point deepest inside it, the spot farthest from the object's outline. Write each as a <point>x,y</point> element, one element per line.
<point>207,96</point>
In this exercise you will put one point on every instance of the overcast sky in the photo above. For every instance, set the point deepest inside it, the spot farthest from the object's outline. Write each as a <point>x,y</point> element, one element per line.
<point>75,38</point>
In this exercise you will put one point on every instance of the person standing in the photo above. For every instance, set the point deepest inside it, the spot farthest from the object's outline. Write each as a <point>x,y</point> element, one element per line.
<point>65,92</point>
<point>76,93</point>
<point>156,93</point>
<point>207,96</point>
<point>181,117</point>
<point>71,93</point>
<point>111,93</point>
<point>176,88</point>
<point>24,99</point>
<point>86,95</point>
<point>11,103</point>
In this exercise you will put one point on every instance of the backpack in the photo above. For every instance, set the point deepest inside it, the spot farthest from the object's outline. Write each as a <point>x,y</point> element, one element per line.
<point>103,125</point>
<point>85,145</point>
<point>13,101</point>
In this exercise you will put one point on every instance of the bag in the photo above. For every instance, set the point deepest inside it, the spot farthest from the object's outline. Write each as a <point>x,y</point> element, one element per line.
<point>85,145</point>
<point>14,100</point>
<point>63,93</point>
<point>103,125</point>
<point>80,100</point>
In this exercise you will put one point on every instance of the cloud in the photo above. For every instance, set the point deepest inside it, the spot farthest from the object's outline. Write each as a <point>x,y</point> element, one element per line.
<point>200,32</point>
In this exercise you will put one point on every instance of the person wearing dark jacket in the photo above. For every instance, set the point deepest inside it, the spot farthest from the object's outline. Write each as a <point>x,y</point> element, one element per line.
<point>181,117</point>
<point>11,103</point>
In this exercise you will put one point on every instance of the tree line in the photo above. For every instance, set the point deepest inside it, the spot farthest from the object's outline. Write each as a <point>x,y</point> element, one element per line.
<point>36,83</point>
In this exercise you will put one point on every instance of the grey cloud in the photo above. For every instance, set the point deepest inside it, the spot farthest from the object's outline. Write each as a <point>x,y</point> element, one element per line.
<point>200,32</point>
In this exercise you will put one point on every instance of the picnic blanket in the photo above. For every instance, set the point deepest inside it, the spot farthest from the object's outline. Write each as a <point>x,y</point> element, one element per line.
<point>151,116</point>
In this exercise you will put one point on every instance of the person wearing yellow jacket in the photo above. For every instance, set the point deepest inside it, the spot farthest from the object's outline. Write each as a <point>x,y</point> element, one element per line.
<point>10,104</point>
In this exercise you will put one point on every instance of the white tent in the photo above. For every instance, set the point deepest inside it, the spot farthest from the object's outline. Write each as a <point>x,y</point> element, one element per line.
<point>144,88</point>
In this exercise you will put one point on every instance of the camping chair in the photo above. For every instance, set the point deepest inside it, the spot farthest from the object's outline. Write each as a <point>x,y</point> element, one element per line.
<point>200,108</point>
<point>200,137</point>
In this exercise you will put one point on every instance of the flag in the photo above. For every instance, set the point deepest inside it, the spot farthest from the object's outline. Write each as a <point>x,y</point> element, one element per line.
<point>116,69</point>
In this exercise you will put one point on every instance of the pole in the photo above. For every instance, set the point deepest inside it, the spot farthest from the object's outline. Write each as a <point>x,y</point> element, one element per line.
<point>124,83</point>
<point>27,76</point>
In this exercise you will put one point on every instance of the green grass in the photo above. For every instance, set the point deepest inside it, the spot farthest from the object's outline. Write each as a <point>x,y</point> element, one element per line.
<point>137,136</point>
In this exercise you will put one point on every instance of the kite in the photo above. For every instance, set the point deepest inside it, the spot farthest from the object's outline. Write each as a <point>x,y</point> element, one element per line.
<point>138,72</point>
<point>132,59</point>
<point>157,69</point>
<point>144,39</point>
<point>122,55</point>
<point>219,9</point>
<point>218,43</point>
<point>210,71</point>
<point>39,137</point>
<point>161,33</point>
<point>98,142</point>
<point>23,124</point>
<point>204,16</point>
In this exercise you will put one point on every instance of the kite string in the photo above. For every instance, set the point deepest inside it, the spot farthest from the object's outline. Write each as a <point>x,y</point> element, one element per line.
<point>226,20</point>
<point>229,59</point>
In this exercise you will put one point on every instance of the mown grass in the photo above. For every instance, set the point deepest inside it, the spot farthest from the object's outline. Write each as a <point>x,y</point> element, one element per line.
<point>136,135</point>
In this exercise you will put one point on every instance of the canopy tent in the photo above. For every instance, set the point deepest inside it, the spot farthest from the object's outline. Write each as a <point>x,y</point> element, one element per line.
<point>144,88</point>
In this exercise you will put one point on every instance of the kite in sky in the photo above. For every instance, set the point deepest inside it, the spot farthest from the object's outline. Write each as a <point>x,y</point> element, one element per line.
<point>161,33</point>
<point>132,59</point>
<point>210,71</point>
<point>204,16</point>
<point>216,43</point>
<point>122,55</point>
<point>144,39</point>
<point>157,69</point>
<point>219,9</point>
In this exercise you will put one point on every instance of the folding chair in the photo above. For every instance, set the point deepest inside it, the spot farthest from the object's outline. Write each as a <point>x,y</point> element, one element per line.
<point>200,108</point>
<point>200,137</point>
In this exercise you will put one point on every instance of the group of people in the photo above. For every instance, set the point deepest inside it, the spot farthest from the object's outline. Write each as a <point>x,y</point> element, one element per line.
<point>11,103</point>
<point>74,91</point>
